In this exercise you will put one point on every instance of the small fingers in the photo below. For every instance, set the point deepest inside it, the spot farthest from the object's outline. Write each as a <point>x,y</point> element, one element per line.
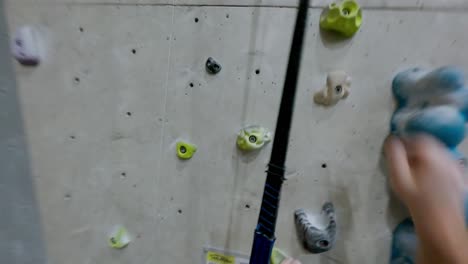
<point>398,166</point>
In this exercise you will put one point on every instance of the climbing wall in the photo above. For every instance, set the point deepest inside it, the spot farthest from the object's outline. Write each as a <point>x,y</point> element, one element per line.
<point>123,80</point>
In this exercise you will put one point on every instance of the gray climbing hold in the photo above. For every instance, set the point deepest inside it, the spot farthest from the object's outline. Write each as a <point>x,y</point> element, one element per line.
<point>318,238</point>
<point>212,66</point>
<point>25,46</point>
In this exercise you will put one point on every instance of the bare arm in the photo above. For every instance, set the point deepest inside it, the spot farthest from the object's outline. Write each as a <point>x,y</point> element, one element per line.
<point>430,183</point>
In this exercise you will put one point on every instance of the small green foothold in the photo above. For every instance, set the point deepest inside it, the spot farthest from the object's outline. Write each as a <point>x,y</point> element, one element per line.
<point>185,150</point>
<point>119,238</point>
<point>277,256</point>
<point>344,17</point>
<point>252,138</point>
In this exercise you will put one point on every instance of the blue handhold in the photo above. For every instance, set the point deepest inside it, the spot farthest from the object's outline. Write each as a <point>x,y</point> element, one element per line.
<point>434,102</point>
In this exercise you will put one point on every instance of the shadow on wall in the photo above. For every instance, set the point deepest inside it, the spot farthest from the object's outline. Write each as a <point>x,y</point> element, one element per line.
<point>20,228</point>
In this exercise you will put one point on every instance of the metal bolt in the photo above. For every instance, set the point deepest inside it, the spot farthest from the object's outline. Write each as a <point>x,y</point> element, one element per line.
<point>252,139</point>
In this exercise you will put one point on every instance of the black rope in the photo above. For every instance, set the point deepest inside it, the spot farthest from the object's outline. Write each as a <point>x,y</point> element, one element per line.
<point>275,172</point>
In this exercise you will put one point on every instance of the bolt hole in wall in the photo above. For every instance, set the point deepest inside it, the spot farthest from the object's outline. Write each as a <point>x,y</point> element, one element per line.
<point>129,113</point>
<point>77,80</point>
<point>179,211</point>
<point>247,206</point>
<point>191,84</point>
<point>81,29</point>
<point>257,71</point>
<point>134,51</point>
<point>324,165</point>
<point>123,175</point>
<point>196,20</point>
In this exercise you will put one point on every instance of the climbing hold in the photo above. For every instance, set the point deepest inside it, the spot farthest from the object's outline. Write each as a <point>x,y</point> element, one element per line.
<point>344,17</point>
<point>185,150</point>
<point>337,88</point>
<point>212,66</point>
<point>25,46</point>
<point>253,137</point>
<point>319,238</point>
<point>277,256</point>
<point>434,103</point>
<point>119,237</point>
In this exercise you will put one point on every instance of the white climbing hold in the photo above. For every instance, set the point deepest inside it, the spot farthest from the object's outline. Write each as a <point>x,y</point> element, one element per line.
<point>25,46</point>
<point>337,88</point>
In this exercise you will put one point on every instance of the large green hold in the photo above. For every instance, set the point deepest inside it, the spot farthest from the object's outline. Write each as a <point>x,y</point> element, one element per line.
<point>344,17</point>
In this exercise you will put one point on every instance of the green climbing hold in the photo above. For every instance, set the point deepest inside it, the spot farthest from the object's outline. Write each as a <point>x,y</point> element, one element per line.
<point>119,238</point>
<point>344,17</point>
<point>253,137</point>
<point>277,256</point>
<point>185,150</point>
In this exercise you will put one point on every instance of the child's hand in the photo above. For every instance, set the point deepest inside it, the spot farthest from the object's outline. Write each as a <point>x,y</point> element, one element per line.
<point>430,183</point>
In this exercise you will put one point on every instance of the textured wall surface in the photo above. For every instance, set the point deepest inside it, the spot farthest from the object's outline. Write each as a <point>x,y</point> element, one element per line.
<point>123,80</point>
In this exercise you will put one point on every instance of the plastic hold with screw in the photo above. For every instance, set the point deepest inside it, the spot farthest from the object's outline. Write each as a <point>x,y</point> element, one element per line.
<point>277,256</point>
<point>318,233</point>
<point>119,237</point>
<point>25,46</point>
<point>344,17</point>
<point>253,138</point>
<point>185,150</point>
<point>337,88</point>
<point>431,102</point>
<point>212,66</point>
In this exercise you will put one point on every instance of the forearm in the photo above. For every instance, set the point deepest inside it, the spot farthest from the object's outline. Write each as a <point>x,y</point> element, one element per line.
<point>443,239</point>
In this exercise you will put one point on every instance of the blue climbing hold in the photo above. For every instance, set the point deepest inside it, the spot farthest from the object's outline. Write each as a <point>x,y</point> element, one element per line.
<point>433,102</point>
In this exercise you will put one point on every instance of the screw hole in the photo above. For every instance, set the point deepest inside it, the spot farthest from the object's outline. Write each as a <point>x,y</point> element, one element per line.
<point>338,88</point>
<point>129,113</point>
<point>134,51</point>
<point>67,196</point>
<point>77,80</point>
<point>191,84</point>
<point>227,15</point>
<point>323,243</point>
<point>183,149</point>
<point>324,165</point>
<point>81,29</point>
<point>123,175</point>
<point>257,71</point>
<point>196,20</point>
<point>252,139</point>
<point>179,211</point>
<point>247,206</point>
<point>72,137</point>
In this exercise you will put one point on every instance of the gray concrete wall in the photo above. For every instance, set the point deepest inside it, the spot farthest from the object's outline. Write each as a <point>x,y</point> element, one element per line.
<point>101,122</point>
